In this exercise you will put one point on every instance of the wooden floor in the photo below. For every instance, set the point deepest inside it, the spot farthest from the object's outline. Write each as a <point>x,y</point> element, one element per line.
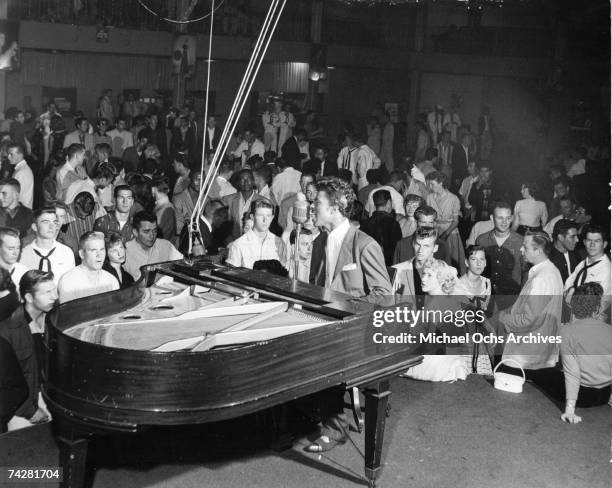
<point>465,434</point>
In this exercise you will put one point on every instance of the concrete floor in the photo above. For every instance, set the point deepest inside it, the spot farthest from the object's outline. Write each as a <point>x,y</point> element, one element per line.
<point>465,434</point>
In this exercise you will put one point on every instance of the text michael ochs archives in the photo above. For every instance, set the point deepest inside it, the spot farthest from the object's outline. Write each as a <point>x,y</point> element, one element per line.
<point>463,331</point>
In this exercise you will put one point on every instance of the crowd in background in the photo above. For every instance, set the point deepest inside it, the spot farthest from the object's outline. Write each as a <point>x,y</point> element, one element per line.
<point>82,209</point>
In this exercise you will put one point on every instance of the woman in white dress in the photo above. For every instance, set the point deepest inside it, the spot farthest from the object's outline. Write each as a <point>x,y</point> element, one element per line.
<point>529,213</point>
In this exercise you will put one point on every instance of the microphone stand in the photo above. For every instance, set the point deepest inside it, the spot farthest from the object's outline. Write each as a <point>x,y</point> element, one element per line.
<point>296,256</point>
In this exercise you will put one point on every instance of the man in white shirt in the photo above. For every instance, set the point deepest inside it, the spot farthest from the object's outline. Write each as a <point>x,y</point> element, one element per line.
<point>88,278</point>
<point>213,135</point>
<point>222,187</point>
<point>594,269</point>
<point>537,310</point>
<point>10,248</point>
<point>72,171</point>
<point>80,135</point>
<point>349,261</point>
<point>146,248</point>
<point>120,137</point>
<point>347,158</point>
<point>22,173</point>
<point>258,243</point>
<point>249,147</point>
<point>45,253</point>
<point>366,160</point>
<point>285,182</point>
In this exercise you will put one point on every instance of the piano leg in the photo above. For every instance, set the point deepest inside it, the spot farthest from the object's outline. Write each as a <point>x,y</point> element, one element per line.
<point>73,460</point>
<point>376,401</point>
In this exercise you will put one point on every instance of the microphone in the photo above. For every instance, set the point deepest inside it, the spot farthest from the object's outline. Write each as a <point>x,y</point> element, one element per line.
<point>300,209</point>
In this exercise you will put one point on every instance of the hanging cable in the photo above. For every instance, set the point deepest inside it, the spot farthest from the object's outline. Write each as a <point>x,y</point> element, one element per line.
<point>174,21</point>
<point>256,59</point>
<point>263,40</point>
<point>210,41</point>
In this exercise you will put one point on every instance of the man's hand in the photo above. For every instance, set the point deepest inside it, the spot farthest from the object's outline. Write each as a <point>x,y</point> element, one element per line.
<point>571,418</point>
<point>39,417</point>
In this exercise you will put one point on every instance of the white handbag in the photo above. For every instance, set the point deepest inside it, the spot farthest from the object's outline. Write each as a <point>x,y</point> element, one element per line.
<point>506,381</point>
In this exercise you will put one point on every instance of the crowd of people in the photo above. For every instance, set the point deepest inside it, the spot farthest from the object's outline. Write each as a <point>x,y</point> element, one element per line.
<point>82,211</point>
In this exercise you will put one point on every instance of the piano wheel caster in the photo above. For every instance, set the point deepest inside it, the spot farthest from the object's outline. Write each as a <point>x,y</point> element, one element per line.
<point>388,410</point>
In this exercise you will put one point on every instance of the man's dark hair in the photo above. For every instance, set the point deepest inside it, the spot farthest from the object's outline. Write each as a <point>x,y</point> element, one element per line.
<point>562,180</point>
<point>439,177</point>
<point>595,229</point>
<point>119,188</point>
<point>300,132</point>
<point>293,234</point>
<point>586,300</point>
<point>31,279</point>
<point>282,163</point>
<point>425,232</point>
<point>79,120</point>
<point>381,198</point>
<point>226,166</point>
<point>265,173</point>
<point>181,158</point>
<point>143,134</point>
<point>11,182</point>
<point>16,145</point>
<point>425,210</point>
<point>312,176</point>
<point>102,171</point>
<point>161,184</point>
<point>474,248</point>
<point>74,149</point>
<point>143,216</point>
<point>113,238</point>
<point>339,193</point>
<point>43,210</point>
<point>562,227</point>
<point>373,176</point>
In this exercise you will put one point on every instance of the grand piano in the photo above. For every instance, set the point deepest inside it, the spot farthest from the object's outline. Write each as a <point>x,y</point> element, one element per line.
<point>198,342</point>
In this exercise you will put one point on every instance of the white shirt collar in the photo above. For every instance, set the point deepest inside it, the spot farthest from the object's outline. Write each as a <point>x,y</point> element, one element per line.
<point>539,266</point>
<point>341,230</point>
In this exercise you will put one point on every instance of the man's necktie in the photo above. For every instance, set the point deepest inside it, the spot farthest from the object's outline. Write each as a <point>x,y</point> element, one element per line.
<point>44,259</point>
<point>582,274</point>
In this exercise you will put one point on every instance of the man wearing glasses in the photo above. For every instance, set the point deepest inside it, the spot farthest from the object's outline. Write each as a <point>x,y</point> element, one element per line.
<point>45,253</point>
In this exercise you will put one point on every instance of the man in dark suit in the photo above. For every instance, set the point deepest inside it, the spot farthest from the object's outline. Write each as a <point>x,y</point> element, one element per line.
<point>13,386</point>
<point>460,159</point>
<point>214,229</point>
<point>425,217</point>
<point>290,151</point>
<point>183,139</point>
<point>563,254</point>
<point>382,225</point>
<point>213,135</point>
<point>239,203</point>
<point>319,165</point>
<point>133,156</point>
<point>348,261</point>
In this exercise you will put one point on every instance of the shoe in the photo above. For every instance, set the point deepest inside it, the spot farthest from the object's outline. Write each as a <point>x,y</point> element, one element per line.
<point>325,443</point>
